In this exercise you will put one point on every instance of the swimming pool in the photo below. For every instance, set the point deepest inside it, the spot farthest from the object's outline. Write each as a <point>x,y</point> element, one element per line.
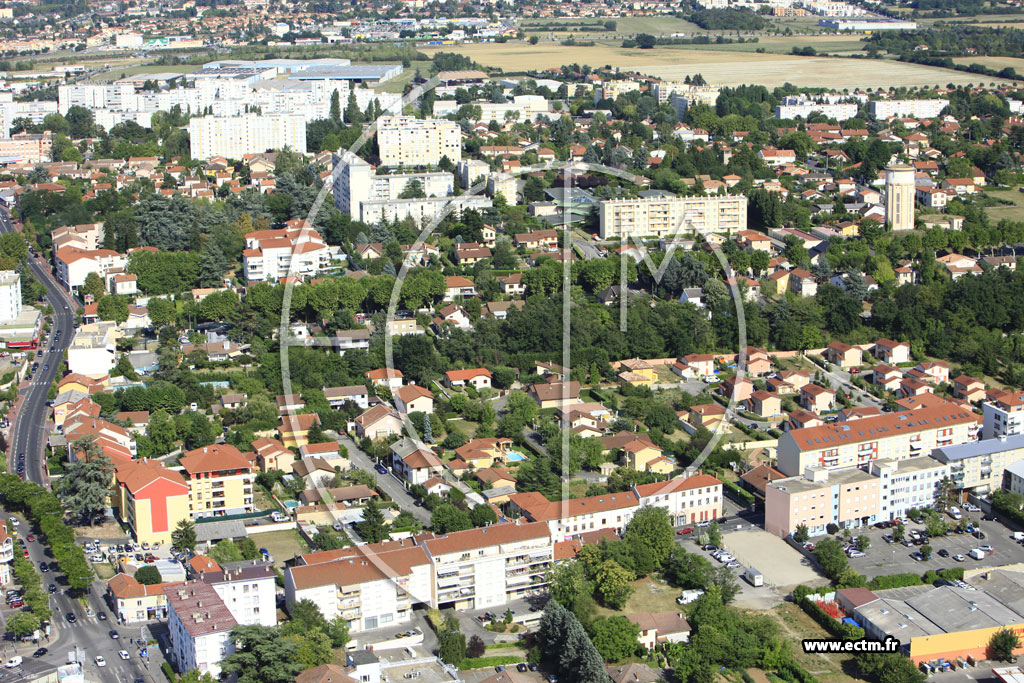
<point>514,456</point>
<point>290,503</point>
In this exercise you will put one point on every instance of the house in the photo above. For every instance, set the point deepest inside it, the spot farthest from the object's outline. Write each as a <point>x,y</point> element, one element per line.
<point>707,415</point>
<point>555,394</point>
<point>802,282</point>
<point>938,370</point>
<point>633,673</point>
<point>294,429</point>
<point>357,394</point>
<point>272,455</point>
<point>391,378</point>
<point>314,472</point>
<point>843,355</point>
<point>452,314</point>
<point>378,422</point>
<point>328,451</point>
<point>817,398</point>
<point>414,463</point>
<point>135,602</point>
<point>479,378</point>
<point>413,398</point>
<point>457,286</point>
<point>512,284</point>
<point>345,340</point>
<point>703,364</point>
<point>968,388</point>
<point>539,239</point>
<point>635,371</point>
<point>660,627</point>
<point>764,404</point>
<point>233,401</point>
<point>886,376</point>
<point>759,363</point>
<point>891,352</point>
<point>290,403</point>
<point>637,450</point>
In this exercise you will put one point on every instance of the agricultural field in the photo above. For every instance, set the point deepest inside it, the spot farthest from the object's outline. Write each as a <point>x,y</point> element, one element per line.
<point>720,66</point>
<point>1013,211</point>
<point>996,63</point>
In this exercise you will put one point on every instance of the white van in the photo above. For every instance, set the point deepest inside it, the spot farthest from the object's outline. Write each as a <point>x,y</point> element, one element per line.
<point>13,662</point>
<point>977,554</point>
<point>755,577</point>
<point>954,512</point>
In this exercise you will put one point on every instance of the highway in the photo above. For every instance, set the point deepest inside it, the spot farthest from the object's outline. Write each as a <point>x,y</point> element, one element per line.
<point>28,433</point>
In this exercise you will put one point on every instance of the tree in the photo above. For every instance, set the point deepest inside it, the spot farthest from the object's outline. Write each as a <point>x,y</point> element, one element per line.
<point>262,655</point>
<point>451,646</point>
<point>85,486</point>
<point>183,538</point>
<point>830,555</point>
<point>926,550</point>
<point>1003,644</point>
<point>801,534</point>
<point>224,551</point>
<point>476,647</point>
<point>614,637</point>
<point>687,570</point>
<point>483,515</point>
<point>312,648</point>
<point>714,534</point>
<point>570,585</point>
<point>305,616</point>
<point>93,286</point>
<point>22,624</point>
<point>372,529</point>
<point>335,106</point>
<point>148,575</point>
<point>863,542</point>
<point>447,518</point>
<point>650,531</point>
<point>612,582</point>
<point>898,533</point>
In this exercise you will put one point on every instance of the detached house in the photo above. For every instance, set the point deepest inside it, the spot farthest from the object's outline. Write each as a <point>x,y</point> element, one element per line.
<point>843,355</point>
<point>479,378</point>
<point>413,398</point>
<point>891,352</point>
<point>415,463</point>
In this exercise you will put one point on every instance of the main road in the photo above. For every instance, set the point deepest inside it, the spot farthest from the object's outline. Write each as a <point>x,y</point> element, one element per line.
<point>28,433</point>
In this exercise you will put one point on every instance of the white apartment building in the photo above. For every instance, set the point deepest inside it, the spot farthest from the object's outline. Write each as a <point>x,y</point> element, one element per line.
<point>470,170</point>
<point>800,107</point>
<point>521,108</point>
<point>249,593</point>
<point>296,251</point>
<point>703,94</point>
<point>610,90</point>
<point>235,136</point>
<point>356,183</point>
<point>568,518</point>
<point>920,109</point>
<point>34,111</point>
<point>421,211</point>
<point>977,467</point>
<point>909,483</point>
<point>1013,478</point>
<point>200,626</point>
<point>688,500</point>
<point>73,265</point>
<point>491,566</point>
<point>88,236</point>
<point>1003,416</point>
<point>666,215</point>
<point>10,295</point>
<point>93,351</point>
<point>408,141</point>
<point>368,586</point>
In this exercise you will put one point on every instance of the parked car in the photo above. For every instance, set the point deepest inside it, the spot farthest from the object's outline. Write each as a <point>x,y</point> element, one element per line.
<point>959,558</point>
<point>687,530</point>
<point>943,552</point>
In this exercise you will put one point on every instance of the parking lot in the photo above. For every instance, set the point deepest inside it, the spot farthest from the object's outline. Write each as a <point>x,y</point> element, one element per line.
<point>894,558</point>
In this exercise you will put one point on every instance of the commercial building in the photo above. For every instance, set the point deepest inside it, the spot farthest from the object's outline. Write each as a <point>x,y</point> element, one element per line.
<point>899,196</point>
<point>919,109</point>
<point>664,215</point>
<point>977,467</point>
<point>408,141</point>
<point>857,443</point>
<point>220,481</point>
<point>199,624</point>
<point>849,498</point>
<point>909,483</point>
<point>235,136</point>
<point>10,295</point>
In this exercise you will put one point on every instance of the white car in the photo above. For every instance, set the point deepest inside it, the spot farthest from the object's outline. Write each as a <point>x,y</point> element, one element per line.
<point>100,661</point>
<point>959,558</point>
<point>123,654</point>
<point>13,662</point>
<point>985,548</point>
<point>14,521</point>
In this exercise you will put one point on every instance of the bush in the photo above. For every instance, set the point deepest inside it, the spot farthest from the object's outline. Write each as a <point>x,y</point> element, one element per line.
<point>835,627</point>
<point>488,662</point>
<point>736,492</point>
<point>894,581</point>
<point>168,671</point>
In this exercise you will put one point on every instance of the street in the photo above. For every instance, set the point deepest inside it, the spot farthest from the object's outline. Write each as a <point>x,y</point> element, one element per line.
<point>28,433</point>
<point>388,483</point>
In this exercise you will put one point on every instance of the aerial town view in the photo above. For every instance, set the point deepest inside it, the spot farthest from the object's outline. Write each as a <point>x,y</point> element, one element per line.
<point>512,341</point>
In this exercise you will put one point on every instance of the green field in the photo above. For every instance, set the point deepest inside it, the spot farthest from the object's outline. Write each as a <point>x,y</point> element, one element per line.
<point>1014,212</point>
<point>117,73</point>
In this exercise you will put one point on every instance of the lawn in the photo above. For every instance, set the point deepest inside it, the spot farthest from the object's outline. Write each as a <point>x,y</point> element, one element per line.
<point>283,545</point>
<point>397,85</point>
<point>996,63</point>
<point>649,595</point>
<point>1014,212</point>
<point>132,70</point>
<point>104,570</point>
<point>798,626</point>
<point>729,65</point>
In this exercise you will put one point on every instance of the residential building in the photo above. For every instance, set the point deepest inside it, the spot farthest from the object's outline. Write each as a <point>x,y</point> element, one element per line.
<point>413,398</point>
<point>220,481</point>
<point>235,136</point>
<point>849,498</point>
<point>378,422</point>
<point>72,264</point>
<point>977,467</point>
<point>567,518</point>
<point>899,196</point>
<point>909,483</point>
<point>900,435</point>
<point>298,250</point>
<point>1013,477</point>
<point>357,184</point>
<point>6,555</point>
<point>660,627</point>
<point>93,350</point>
<point>150,500</point>
<point>10,295</point>
<point>918,109</point>
<point>665,216</point>
<point>414,462</point>
<point>478,378</point>
<point>408,141</point>
<point>199,625</point>
<point>688,500</point>
<point>135,602</point>
<point>248,591</point>
<point>1003,415</point>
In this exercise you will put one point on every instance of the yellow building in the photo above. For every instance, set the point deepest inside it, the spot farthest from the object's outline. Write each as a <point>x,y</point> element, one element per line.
<point>151,501</point>
<point>636,372</point>
<point>295,429</point>
<point>220,481</point>
<point>135,602</point>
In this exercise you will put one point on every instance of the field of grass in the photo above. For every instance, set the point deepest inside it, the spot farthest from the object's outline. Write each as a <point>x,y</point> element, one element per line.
<point>1014,212</point>
<point>118,72</point>
<point>725,67</point>
<point>797,626</point>
<point>993,62</point>
<point>283,545</point>
<point>649,595</point>
<point>397,85</point>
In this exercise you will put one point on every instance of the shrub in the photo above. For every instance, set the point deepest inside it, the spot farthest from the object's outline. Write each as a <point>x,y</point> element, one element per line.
<point>168,671</point>
<point>894,581</point>
<point>488,662</point>
<point>835,627</point>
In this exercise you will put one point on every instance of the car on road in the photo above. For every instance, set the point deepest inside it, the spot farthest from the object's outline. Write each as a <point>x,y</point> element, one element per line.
<point>959,558</point>
<point>100,661</point>
<point>41,652</point>
<point>114,634</point>
<point>123,654</point>
<point>46,367</point>
<point>17,603</point>
<point>31,537</point>
<point>43,567</point>
<point>687,530</point>
<point>380,468</point>
<point>14,662</point>
<point>943,552</point>
<point>53,588</point>
<point>102,616</point>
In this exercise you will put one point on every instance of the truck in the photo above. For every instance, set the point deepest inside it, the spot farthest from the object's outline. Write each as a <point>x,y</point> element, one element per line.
<point>689,596</point>
<point>755,577</point>
<point>977,554</point>
<point>1018,536</point>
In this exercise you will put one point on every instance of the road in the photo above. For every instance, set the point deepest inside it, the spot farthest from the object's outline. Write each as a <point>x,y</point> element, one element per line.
<point>388,483</point>
<point>28,433</point>
<point>89,633</point>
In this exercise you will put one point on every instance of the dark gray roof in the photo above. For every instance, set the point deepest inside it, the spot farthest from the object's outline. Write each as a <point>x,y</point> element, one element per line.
<point>973,449</point>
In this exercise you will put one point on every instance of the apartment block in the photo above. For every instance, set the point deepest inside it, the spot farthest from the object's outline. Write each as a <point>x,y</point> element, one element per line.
<point>296,251</point>
<point>921,109</point>
<point>1013,477</point>
<point>135,602</point>
<point>421,211</point>
<point>895,436</point>
<point>220,481</point>
<point>849,498</point>
<point>27,148</point>
<point>10,295</point>
<point>909,483</point>
<point>151,500</point>
<point>233,137</point>
<point>73,264</point>
<point>6,556</point>
<point>1003,415</point>
<point>800,107</point>
<point>665,215</point>
<point>199,624</point>
<point>567,518</point>
<point>357,183</point>
<point>248,591</point>
<point>688,500</point>
<point>977,467</point>
<point>93,351</point>
<point>408,141</point>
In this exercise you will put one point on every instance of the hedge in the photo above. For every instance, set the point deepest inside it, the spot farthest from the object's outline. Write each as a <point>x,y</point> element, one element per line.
<point>894,581</point>
<point>488,662</point>
<point>742,494</point>
<point>835,627</point>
